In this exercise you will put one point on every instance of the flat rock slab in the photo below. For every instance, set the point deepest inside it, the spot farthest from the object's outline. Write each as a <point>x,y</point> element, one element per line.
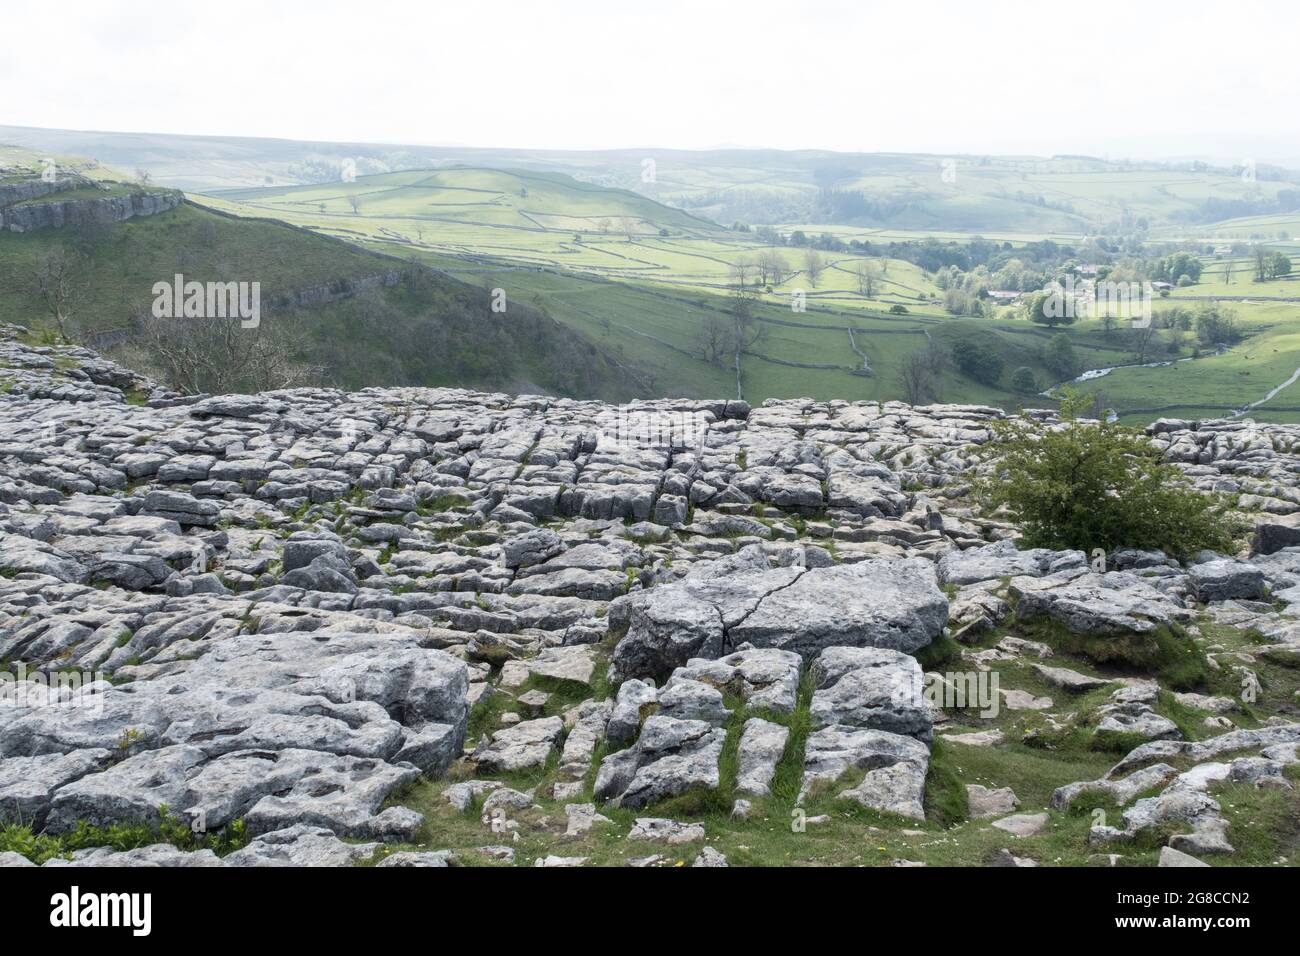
<point>1023,824</point>
<point>1005,560</point>
<point>990,803</point>
<point>521,747</point>
<point>669,758</point>
<point>877,603</point>
<point>1171,857</point>
<point>764,678</point>
<point>895,767</point>
<point>1023,700</point>
<point>978,738</point>
<point>662,830</point>
<point>762,744</point>
<point>870,687</point>
<point>575,664</point>
<point>1068,679</point>
<point>582,817</point>
<point>1118,602</point>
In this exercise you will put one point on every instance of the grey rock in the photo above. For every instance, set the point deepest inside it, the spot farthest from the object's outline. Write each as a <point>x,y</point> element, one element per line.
<point>870,687</point>
<point>671,757</point>
<point>523,746</point>
<point>762,744</point>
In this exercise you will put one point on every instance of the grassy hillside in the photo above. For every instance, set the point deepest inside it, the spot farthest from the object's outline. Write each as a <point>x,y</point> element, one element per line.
<point>636,281</point>
<point>597,261</point>
<point>416,327</point>
<point>553,222</point>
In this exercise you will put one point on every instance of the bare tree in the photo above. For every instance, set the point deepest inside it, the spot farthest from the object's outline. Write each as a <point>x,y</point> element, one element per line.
<point>741,271</point>
<point>143,176</point>
<point>918,376</point>
<point>813,264</point>
<point>58,287</point>
<point>221,356</point>
<point>1143,340</point>
<point>712,339</point>
<point>746,330</point>
<point>779,267</point>
<point>771,267</point>
<point>866,275</point>
<point>354,201</point>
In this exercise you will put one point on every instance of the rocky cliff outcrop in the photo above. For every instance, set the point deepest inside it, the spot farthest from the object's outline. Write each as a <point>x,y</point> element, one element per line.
<point>54,213</point>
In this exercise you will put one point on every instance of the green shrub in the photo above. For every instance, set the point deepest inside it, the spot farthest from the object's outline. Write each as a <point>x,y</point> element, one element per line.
<point>1089,485</point>
<point>978,357</point>
<point>1022,380</point>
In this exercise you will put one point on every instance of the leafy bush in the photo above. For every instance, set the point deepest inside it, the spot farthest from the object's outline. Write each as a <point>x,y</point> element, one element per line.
<point>1059,356</point>
<point>1022,380</point>
<point>1215,325</point>
<point>979,359</point>
<point>1085,485</point>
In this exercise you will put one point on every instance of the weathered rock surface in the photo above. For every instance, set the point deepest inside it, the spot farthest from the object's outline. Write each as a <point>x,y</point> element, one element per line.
<point>285,605</point>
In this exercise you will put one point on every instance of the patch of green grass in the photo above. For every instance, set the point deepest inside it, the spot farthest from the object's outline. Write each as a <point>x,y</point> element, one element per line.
<point>1167,652</point>
<point>40,847</point>
<point>946,803</point>
<point>939,653</point>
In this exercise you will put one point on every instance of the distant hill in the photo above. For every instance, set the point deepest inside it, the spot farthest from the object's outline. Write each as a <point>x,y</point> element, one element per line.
<point>1023,194</point>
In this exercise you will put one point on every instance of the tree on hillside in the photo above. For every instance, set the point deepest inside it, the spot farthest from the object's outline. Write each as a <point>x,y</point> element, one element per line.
<point>979,359</point>
<point>220,356</point>
<point>1023,380</point>
<point>741,272</point>
<point>1279,265</point>
<point>771,267</point>
<point>1059,356</point>
<point>866,275</point>
<point>918,378</point>
<point>813,264</point>
<point>1049,309</point>
<point>355,202</point>
<point>746,330</point>
<point>712,339</point>
<point>58,285</point>
<point>1177,268</point>
<point>1216,325</point>
<point>1142,341</point>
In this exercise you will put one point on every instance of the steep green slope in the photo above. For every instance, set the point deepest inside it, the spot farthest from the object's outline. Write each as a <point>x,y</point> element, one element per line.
<point>359,318</point>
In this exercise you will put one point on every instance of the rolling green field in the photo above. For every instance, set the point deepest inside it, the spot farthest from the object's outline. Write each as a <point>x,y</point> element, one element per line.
<point>554,222</point>
<point>906,193</point>
<point>639,279</point>
<point>637,265</point>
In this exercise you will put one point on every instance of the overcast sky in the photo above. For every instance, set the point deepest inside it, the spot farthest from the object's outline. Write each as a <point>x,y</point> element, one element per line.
<point>1140,78</point>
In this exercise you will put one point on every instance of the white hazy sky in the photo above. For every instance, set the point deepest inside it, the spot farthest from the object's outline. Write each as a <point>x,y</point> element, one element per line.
<point>1139,78</point>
